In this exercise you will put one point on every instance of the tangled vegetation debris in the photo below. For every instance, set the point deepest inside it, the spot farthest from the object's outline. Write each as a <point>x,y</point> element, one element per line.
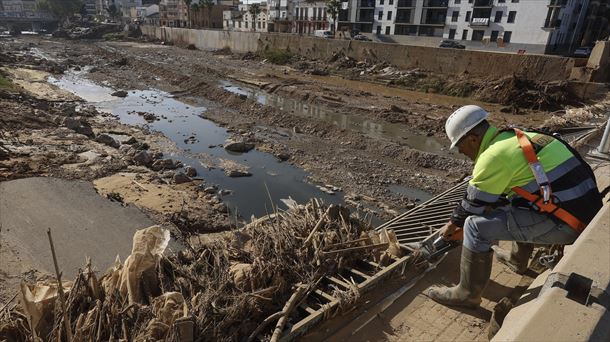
<point>233,288</point>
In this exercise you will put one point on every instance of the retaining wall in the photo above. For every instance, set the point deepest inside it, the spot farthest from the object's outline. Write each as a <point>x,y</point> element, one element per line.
<point>437,60</point>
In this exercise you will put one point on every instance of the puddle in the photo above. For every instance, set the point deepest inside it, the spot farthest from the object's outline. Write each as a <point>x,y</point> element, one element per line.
<point>374,129</point>
<point>180,121</point>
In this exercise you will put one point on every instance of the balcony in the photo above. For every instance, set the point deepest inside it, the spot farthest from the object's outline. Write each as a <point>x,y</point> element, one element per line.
<point>406,3</point>
<point>367,3</point>
<point>483,3</point>
<point>436,3</point>
<point>551,24</point>
<point>477,22</point>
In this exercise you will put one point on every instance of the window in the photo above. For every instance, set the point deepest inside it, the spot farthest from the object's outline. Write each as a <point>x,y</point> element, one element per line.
<point>381,2</point>
<point>452,34</point>
<point>501,1</point>
<point>514,0</point>
<point>494,36</point>
<point>511,16</point>
<point>389,16</point>
<point>469,1</point>
<point>380,15</point>
<point>467,16</point>
<point>498,18</point>
<point>264,24</point>
<point>477,35</point>
<point>239,24</point>
<point>454,16</point>
<point>245,24</point>
<point>391,2</point>
<point>507,35</point>
<point>465,35</point>
<point>387,29</point>
<point>457,2</point>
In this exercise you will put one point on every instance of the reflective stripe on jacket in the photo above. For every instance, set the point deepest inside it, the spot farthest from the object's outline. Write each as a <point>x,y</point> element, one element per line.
<point>501,165</point>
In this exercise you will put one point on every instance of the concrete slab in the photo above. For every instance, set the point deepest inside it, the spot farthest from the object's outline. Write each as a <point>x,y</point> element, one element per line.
<point>83,224</point>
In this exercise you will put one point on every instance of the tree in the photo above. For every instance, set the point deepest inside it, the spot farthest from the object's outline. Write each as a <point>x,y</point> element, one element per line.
<point>61,9</point>
<point>188,12</point>
<point>254,11</point>
<point>208,4</point>
<point>332,8</point>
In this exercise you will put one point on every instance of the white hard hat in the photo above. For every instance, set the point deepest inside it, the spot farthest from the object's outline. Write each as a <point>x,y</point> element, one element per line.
<point>462,121</point>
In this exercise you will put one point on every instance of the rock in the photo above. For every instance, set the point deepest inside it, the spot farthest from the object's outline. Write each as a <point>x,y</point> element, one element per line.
<point>107,140</point>
<point>119,93</point>
<point>225,192</point>
<point>180,178</point>
<point>164,164</point>
<point>210,190</point>
<point>237,173</point>
<point>143,158</point>
<point>395,108</point>
<point>71,123</point>
<point>190,171</point>
<point>238,146</point>
<point>78,126</point>
<point>283,156</point>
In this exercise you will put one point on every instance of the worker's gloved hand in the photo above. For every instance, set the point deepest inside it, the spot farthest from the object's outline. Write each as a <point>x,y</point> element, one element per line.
<point>448,230</point>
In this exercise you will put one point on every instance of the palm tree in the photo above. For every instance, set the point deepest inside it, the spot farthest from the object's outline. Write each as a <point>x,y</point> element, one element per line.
<point>208,4</point>
<point>195,11</point>
<point>188,12</point>
<point>332,8</point>
<point>254,10</point>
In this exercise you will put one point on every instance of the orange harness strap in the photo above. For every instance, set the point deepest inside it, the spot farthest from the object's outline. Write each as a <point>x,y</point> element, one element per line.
<point>543,202</point>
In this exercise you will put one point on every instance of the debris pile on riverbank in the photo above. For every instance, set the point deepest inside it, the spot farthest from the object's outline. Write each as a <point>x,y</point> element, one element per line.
<point>232,288</point>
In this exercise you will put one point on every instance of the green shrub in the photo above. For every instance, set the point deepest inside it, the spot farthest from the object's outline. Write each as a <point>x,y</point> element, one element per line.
<point>114,36</point>
<point>278,56</point>
<point>5,83</point>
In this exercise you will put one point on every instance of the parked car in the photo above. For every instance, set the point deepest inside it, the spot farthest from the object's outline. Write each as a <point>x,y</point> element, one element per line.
<point>323,34</point>
<point>452,44</point>
<point>583,51</point>
<point>362,37</point>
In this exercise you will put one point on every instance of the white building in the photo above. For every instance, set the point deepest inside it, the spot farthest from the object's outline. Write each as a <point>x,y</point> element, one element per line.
<point>549,26</point>
<point>280,15</point>
<point>539,26</point>
<point>242,20</point>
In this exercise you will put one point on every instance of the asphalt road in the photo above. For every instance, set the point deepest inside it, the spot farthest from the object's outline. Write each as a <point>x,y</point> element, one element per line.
<point>82,223</point>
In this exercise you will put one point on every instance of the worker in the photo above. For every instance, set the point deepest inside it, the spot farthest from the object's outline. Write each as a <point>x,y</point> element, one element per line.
<point>526,187</point>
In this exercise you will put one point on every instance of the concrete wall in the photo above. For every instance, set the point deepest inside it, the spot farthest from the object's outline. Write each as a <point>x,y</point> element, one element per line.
<point>240,42</point>
<point>437,60</point>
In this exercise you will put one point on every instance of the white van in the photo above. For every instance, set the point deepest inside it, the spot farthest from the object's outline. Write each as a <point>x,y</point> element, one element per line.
<point>323,34</point>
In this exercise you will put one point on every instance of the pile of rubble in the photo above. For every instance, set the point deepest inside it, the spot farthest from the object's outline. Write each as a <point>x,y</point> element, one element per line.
<point>242,286</point>
<point>94,31</point>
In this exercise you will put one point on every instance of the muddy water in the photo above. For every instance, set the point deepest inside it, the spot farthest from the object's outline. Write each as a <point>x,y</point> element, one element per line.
<point>374,129</point>
<point>179,121</point>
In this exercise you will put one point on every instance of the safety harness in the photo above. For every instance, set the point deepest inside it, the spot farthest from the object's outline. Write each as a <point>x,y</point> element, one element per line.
<point>544,202</point>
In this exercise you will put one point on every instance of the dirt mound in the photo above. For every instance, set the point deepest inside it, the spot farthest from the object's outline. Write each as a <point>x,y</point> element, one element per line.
<point>231,288</point>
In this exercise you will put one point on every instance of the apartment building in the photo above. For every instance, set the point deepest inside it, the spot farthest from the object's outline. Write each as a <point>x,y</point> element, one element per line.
<point>541,26</point>
<point>173,13</point>
<point>550,26</point>
<point>309,16</point>
<point>280,15</point>
<point>597,23</point>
